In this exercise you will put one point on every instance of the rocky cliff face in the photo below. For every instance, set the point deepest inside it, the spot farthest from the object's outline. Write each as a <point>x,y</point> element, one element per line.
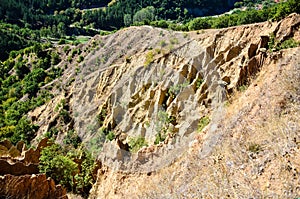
<point>148,82</point>
<point>19,173</point>
<point>30,186</point>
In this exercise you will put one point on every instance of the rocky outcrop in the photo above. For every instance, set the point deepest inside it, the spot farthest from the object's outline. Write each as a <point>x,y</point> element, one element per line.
<point>19,173</point>
<point>250,149</point>
<point>125,83</point>
<point>17,168</point>
<point>30,186</point>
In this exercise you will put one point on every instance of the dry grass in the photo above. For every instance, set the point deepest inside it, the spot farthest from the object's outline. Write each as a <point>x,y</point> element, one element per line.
<point>259,156</point>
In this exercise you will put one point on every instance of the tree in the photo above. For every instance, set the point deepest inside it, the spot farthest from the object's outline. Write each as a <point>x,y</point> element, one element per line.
<point>127,19</point>
<point>144,15</point>
<point>59,167</point>
<point>61,29</point>
<point>199,23</point>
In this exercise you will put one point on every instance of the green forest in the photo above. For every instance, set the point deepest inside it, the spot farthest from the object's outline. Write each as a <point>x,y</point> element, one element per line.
<point>23,23</point>
<point>100,13</point>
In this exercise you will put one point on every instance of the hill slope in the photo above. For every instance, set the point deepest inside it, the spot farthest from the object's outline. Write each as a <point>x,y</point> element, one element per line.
<point>169,114</point>
<point>162,85</point>
<point>251,146</point>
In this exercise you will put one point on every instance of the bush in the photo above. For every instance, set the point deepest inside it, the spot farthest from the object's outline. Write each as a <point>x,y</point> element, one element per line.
<point>72,139</point>
<point>289,43</point>
<point>204,121</point>
<point>80,59</point>
<point>110,136</point>
<point>199,23</point>
<point>57,166</point>
<point>73,168</point>
<point>66,48</point>
<point>149,58</point>
<point>159,137</point>
<point>137,143</point>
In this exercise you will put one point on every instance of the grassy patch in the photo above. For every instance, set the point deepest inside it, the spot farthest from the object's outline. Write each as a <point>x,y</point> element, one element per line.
<point>137,143</point>
<point>204,121</point>
<point>149,58</point>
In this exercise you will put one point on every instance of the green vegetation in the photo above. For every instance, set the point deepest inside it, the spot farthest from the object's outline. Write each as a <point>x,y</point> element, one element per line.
<point>149,58</point>
<point>80,59</point>
<point>36,21</point>
<point>21,78</point>
<point>242,88</point>
<point>137,143</point>
<point>176,89</point>
<point>250,4</point>
<point>274,12</point>
<point>15,38</point>
<point>110,136</point>
<point>68,17</point>
<point>204,121</point>
<point>275,45</point>
<point>254,148</point>
<point>162,126</point>
<point>72,139</point>
<point>199,83</point>
<point>29,64</point>
<point>73,168</point>
<point>289,43</point>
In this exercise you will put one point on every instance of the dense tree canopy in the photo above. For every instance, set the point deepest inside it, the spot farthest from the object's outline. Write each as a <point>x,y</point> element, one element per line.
<point>49,13</point>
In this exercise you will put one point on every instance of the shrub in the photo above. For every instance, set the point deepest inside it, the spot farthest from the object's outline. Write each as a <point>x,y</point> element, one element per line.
<point>80,59</point>
<point>204,121</point>
<point>73,168</point>
<point>199,83</point>
<point>59,167</point>
<point>72,139</point>
<point>254,148</point>
<point>242,88</point>
<point>289,43</point>
<point>61,41</point>
<point>162,126</point>
<point>159,137</point>
<point>137,143</point>
<point>162,43</point>
<point>66,48</point>
<point>149,58</point>
<point>110,136</point>
<point>176,89</point>
<point>55,59</point>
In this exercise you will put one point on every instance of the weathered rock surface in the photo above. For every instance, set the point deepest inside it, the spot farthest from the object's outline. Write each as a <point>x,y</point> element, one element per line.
<point>17,168</point>
<point>30,186</point>
<point>19,173</point>
<point>129,79</point>
<point>251,149</point>
<point>126,81</point>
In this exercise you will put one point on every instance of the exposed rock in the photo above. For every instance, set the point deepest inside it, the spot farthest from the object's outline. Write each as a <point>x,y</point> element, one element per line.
<point>126,97</point>
<point>19,173</point>
<point>17,168</point>
<point>222,61</point>
<point>31,155</point>
<point>250,146</point>
<point>21,146</point>
<point>6,143</point>
<point>30,186</point>
<point>125,82</point>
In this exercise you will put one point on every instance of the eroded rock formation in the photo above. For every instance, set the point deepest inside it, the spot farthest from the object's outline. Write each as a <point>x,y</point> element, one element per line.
<point>130,79</point>
<point>19,173</point>
<point>30,186</point>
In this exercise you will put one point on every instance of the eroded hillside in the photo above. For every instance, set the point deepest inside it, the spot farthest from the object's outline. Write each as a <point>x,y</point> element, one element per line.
<point>167,115</point>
